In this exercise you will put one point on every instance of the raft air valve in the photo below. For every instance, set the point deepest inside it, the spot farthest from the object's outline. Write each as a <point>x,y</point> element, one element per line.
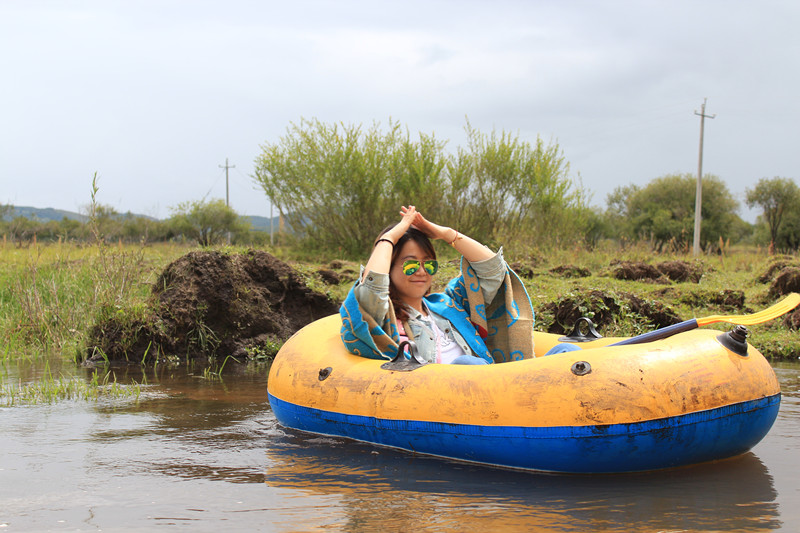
<point>735,340</point>
<point>581,368</point>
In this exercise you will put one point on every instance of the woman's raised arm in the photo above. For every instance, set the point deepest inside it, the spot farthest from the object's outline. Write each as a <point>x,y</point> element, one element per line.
<point>471,249</point>
<point>380,261</point>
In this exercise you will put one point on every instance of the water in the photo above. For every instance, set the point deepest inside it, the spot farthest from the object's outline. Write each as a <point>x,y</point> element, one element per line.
<point>203,455</point>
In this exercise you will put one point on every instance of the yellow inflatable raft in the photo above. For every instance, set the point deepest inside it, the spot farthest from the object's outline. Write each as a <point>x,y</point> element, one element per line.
<point>689,398</point>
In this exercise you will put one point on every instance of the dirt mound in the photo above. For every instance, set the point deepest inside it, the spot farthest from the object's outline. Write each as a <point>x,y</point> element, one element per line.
<point>787,281</point>
<point>570,271</point>
<point>792,320</point>
<point>338,272</point>
<point>775,266</point>
<point>727,300</point>
<point>331,277</point>
<point>605,309</point>
<point>678,271</point>
<point>637,271</point>
<point>681,271</point>
<point>209,304</point>
<point>523,270</point>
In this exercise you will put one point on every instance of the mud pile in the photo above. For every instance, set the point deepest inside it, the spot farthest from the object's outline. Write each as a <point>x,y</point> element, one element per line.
<point>212,304</point>
<point>663,273</point>
<point>788,280</point>
<point>726,300</point>
<point>776,265</point>
<point>606,308</point>
<point>570,271</point>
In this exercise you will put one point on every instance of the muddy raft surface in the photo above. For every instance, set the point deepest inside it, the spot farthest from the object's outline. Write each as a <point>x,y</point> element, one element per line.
<point>209,304</point>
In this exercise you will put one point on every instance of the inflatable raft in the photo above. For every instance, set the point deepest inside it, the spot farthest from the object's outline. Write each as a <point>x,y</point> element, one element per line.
<point>689,398</point>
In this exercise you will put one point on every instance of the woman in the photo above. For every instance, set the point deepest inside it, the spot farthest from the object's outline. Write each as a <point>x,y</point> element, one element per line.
<point>484,315</point>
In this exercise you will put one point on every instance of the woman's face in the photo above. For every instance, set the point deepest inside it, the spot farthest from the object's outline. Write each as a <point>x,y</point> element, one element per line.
<point>411,288</point>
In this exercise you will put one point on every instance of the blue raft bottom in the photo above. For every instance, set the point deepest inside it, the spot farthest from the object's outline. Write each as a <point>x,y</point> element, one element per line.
<point>663,443</point>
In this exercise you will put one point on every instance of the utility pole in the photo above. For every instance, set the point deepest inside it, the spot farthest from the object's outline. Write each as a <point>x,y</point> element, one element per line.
<point>227,189</point>
<point>698,201</point>
<point>226,167</point>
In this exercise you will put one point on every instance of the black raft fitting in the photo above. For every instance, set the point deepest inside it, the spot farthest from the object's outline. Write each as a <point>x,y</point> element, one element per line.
<point>578,335</point>
<point>403,362</point>
<point>735,340</point>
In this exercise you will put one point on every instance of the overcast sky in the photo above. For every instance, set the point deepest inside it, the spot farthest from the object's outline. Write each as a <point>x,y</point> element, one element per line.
<point>155,95</point>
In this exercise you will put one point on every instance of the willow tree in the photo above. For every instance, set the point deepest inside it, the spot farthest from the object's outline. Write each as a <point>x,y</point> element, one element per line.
<point>513,190</point>
<point>207,221</point>
<point>777,198</point>
<point>663,211</point>
<point>339,185</point>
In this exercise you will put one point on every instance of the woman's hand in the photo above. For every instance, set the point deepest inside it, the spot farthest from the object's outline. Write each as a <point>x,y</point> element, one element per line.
<point>433,231</point>
<point>471,249</point>
<point>409,214</point>
<point>380,260</point>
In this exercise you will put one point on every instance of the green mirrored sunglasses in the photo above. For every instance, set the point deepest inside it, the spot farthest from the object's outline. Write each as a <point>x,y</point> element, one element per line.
<point>410,266</point>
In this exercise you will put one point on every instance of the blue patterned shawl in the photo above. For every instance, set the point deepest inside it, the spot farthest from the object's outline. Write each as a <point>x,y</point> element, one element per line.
<point>506,323</point>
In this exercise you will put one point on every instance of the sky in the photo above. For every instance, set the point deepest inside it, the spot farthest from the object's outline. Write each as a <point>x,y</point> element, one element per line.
<point>156,95</point>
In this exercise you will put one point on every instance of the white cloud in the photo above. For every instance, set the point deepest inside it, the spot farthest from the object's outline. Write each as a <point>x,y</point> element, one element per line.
<point>155,94</point>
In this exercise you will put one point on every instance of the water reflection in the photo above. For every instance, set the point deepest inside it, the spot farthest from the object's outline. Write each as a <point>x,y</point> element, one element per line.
<point>377,485</point>
<point>206,428</point>
<point>200,432</point>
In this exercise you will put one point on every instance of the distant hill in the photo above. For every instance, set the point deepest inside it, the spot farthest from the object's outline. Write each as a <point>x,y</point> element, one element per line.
<point>44,214</point>
<point>49,213</point>
<point>262,223</point>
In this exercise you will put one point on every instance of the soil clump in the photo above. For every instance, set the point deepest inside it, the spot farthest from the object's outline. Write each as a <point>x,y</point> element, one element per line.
<point>792,320</point>
<point>776,265</point>
<point>787,281</point>
<point>663,273</point>
<point>637,271</point>
<point>605,309</point>
<point>681,271</point>
<point>570,271</point>
<point>523,270</point>
<point>212,304</point>
<point>728,300</point>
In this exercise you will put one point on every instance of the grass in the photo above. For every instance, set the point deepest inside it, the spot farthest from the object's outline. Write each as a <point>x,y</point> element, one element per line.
<point>51,295</point>
<point>49,388</point>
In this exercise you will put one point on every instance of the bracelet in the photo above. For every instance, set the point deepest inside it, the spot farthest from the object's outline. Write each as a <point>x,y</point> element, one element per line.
<point>385,240</point>
<point>457,237</point>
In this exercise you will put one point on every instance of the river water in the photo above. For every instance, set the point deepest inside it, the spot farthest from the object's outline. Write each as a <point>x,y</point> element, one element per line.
<point>201,454</point>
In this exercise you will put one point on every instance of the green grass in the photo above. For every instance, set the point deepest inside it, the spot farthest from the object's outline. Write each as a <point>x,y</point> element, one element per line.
<point>51,295</point>
<point>50,388</point>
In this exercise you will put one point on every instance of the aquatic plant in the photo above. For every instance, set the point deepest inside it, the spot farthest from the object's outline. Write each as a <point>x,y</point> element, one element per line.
<point>50,388</point>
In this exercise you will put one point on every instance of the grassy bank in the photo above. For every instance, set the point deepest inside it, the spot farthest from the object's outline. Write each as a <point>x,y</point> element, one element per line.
<point>51,295</point>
